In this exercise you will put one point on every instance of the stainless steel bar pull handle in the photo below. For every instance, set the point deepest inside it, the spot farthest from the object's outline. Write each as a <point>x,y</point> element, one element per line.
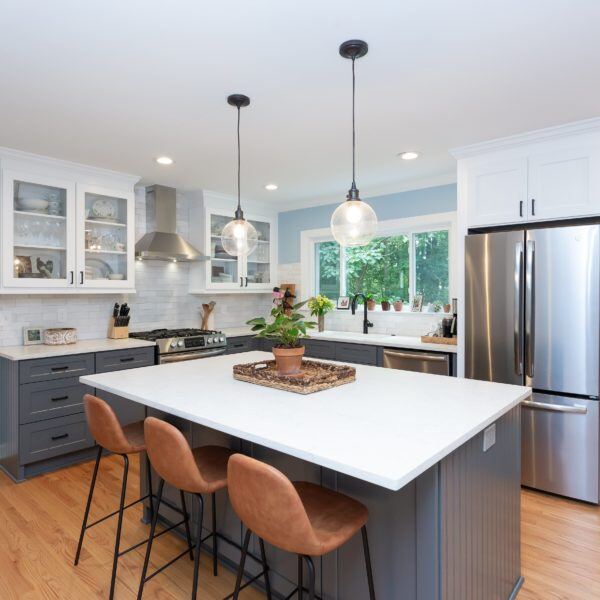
<point>518,316</point>
<point>563,408</point>
<point>416,356</point>
<point>530,309</point>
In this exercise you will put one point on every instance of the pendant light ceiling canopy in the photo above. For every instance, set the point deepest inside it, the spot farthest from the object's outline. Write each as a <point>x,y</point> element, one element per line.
<point>239,237</point>
<point>354,222</point>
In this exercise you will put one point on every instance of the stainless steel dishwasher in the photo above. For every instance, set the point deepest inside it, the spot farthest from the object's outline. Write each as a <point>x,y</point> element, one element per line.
<point>415,360</point>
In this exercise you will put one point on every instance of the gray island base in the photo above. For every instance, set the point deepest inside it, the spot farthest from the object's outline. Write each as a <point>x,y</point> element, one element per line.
<point>444,512</point>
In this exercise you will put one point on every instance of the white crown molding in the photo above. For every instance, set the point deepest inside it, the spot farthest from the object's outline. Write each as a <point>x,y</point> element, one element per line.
<point>538,135</point>
<point>48,161</point>
<point>396,188</point>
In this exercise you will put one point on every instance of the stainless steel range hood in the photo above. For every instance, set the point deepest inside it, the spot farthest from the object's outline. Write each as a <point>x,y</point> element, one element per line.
<point>162,242</point>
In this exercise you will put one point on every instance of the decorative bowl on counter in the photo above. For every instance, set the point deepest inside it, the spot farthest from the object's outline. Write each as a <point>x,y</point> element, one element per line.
<point>60,336</point>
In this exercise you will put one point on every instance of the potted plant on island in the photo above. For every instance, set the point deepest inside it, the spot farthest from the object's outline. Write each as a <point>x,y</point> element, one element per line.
<point>319,306</point>
<point>385,302</point>
<point>398,304</point>
<point>286,330</point>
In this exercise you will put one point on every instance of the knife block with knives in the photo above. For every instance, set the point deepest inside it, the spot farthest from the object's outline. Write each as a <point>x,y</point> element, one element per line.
<point>118,327</point>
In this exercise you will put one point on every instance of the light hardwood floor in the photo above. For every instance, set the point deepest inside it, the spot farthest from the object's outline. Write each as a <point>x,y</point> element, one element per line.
<point>40,520</point>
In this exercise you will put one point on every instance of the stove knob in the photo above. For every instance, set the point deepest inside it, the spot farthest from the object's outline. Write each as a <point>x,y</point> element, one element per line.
<point>180,343</point>
<point>173,344</point>
<point>209,340</point>
<point>222,338</point>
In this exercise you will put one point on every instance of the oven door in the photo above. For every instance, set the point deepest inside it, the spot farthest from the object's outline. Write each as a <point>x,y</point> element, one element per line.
<point>194,355</point>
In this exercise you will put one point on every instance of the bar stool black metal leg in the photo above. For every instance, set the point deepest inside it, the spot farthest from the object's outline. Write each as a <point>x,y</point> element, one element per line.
<point>240,573</point>
<point>186,521</point>
<point>161,484</point>
<point>113,578</point>
<point>88,505</point>
<point>311,577</point>
<point>214,532</point>
<point>149,477</point>
<point>198,544</point>
<point>300,579</point>
<point>365,540</point>
<point>265,566</point>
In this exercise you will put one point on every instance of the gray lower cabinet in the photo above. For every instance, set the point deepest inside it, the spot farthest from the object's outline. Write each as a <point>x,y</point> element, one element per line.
<point>245,343</point>
<point>42,419</point>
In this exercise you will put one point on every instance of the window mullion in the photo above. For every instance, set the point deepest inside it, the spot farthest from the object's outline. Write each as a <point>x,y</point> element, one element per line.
<point>342,271</point>
<point>411,268</point>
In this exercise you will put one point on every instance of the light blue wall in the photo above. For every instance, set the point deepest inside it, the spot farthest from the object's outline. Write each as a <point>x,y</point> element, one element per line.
<point>392,206</point>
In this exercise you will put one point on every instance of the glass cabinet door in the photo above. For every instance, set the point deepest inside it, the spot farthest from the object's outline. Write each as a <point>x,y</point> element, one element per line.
<point>106,238</point>
<point>223,270</point>
<point>38,228</point>
<point>258,263</point>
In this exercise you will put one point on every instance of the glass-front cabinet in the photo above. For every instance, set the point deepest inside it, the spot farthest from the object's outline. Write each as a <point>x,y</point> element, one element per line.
<point>105,237</point>
<point>59,234</point>
<point>222,271</point>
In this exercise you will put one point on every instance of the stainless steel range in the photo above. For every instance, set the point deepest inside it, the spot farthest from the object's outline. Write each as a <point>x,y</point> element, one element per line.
<point>175,345</point>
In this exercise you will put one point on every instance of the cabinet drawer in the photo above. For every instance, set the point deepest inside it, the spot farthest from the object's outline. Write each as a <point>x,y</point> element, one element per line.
<point>117,360</point>
<point>240,344</point>
<point>53,437</point>
<point>46,369</point>
<point>319,349</point>
<point>356,353</point>
<point>50,399</point>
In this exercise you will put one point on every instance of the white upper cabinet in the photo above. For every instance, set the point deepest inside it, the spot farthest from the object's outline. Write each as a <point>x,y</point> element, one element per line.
<point>564,183</point>
<point>222,272</point>
<point>62,232</point>
<point>498,191</point>
<point>541,176</point>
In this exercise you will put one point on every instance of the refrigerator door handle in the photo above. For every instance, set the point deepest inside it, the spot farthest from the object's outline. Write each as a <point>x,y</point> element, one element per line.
<point>530,308</point>
<point>518,317</point>
<point>564,408</point>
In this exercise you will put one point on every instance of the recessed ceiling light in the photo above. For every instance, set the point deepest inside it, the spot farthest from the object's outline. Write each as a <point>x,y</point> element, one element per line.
<point>271,187</point>
<point>164,160</point>
<point>409,155</point>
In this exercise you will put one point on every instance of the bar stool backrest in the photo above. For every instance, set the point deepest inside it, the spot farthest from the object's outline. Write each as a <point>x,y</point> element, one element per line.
<point>104,425</point>
<point>171,456</point>
<point>268,504</point>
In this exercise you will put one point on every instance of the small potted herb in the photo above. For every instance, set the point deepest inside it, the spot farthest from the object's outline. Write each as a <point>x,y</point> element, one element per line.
<point>319,306</point>
<point>286,329</point>
<point>371,302</point>
<point>385,302</point>
<point>436,307</point>
<point>398,304</point>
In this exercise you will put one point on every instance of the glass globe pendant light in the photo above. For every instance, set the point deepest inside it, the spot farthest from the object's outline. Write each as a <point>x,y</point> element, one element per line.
<point>239,237</point>
<point>354,222</point>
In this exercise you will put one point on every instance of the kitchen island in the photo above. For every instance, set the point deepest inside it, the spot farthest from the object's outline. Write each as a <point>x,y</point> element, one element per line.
<point>435,459</point>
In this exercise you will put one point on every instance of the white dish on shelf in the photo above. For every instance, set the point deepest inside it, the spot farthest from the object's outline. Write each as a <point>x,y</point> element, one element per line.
<point>116,276</point>
<point>32,204</point>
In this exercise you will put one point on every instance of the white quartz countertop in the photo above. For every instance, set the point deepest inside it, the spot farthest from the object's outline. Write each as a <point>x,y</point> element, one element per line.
<point>80,347</point>
<point>386,428</point>
<point>372,339</point>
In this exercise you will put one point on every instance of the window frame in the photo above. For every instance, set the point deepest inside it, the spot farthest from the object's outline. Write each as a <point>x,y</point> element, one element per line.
<point>408,226</point>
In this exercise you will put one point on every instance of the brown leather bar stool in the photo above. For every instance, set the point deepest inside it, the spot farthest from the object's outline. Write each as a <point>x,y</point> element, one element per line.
<point>111,436</point>
<point>199,471</point>
<point>300,517</point>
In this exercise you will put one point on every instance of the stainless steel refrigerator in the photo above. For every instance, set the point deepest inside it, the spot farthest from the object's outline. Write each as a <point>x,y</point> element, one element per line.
<point>532,318</point>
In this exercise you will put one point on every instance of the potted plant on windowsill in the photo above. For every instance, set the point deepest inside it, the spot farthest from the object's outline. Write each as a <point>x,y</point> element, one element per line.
<point>319,306</point>
<point>286,330</point>
<point>385,302</point>
<point>371,302</point>
<point>398,304</point>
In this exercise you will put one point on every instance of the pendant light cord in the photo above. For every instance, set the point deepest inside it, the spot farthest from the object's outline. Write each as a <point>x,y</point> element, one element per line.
<point>353,128</point>
<point>239,207</point>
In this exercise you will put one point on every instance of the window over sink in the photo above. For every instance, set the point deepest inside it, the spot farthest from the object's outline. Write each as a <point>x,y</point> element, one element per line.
<point>410,257</point>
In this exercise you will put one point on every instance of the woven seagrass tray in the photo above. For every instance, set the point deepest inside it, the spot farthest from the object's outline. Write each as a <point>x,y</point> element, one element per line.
<point>314,377</point>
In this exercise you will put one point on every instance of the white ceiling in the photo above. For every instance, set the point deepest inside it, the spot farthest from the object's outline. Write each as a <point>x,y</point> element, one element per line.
<point>115,84</point>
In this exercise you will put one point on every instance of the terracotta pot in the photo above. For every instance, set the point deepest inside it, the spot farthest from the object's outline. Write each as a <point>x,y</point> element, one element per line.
<point>321,322</point>
<point>447,308</point>
<point>398,305</point>
<point>288,360</point>
<point>385,305</point>
<point>371,304</point>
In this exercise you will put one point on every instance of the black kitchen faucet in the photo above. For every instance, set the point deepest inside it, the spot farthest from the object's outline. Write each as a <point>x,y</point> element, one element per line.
<point>366,322</point>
